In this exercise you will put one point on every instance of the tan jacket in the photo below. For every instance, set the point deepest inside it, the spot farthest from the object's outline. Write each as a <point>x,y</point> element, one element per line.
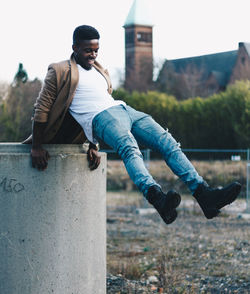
<point>56,95</point>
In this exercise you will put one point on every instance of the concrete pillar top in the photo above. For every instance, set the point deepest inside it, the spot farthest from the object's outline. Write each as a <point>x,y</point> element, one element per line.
<point>52,148</point>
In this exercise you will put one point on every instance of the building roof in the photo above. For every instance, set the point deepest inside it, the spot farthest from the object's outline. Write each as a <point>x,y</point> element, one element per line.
<point>139,14</point>
<point>219,64</point>
<point>222,62</point>
<point>247,47</point>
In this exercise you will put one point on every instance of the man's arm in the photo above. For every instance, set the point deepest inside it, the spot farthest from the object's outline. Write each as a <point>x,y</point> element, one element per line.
<point>39,156</point>
<point>44,102</point>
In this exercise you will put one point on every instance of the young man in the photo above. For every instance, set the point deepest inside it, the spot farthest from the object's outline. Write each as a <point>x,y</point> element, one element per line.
<point>75,102</point>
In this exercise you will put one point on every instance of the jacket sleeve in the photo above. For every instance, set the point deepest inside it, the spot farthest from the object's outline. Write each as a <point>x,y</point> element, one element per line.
<point>46,97</point>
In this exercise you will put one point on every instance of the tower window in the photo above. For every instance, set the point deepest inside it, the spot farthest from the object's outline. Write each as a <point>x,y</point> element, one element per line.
<point>243,59</point>
<point>144,37</point>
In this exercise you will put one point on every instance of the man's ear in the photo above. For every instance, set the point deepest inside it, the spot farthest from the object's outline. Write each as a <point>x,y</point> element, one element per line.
<point>75,48</point>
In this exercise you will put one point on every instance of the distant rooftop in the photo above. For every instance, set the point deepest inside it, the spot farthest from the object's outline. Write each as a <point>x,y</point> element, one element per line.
<point>246,45</point>
<point>139,14</point>
<point>219,62</point>
<point>220,65</point>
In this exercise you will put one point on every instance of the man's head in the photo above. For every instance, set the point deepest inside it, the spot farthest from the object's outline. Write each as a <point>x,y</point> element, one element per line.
<point>85,45</point>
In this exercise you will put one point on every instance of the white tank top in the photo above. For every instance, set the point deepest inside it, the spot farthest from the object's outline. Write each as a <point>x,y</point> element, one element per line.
<point>91,97</point>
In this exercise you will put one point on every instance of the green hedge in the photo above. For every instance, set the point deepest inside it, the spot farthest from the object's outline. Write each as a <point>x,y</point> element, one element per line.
<point>219,121</point>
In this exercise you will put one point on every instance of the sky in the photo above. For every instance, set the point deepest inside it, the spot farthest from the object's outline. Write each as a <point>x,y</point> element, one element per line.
<point>38,33</point>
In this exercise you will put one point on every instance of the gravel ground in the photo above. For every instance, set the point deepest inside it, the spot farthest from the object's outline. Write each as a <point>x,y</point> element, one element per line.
<point>192,255</point>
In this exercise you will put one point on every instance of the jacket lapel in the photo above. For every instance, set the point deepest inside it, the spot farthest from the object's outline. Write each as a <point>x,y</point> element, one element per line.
<point>105,73</point>
<point>74,79</point>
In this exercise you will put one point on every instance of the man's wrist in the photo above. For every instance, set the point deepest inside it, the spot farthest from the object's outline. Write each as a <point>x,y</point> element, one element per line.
<point>93,146</point>
<point>36,146</point>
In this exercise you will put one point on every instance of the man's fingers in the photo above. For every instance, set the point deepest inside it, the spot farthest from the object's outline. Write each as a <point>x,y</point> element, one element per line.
<point>94,159</point>
<point>43,163</point>
<point>47,156</point>
<point>90,159</point>
<point>90,155</point>
<point>95,163</point>
<point>92,164</point>
<point>98,161</point>
<point>40,160</point>
<point>33,162</point>
<point>40,164</point>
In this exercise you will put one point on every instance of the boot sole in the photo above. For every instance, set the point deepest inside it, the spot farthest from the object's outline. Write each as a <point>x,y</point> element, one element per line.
<point>211,213</point>
<point>175,199</point>
<point>169,214</point>
<point>231,197</point>
<point>171,217</point>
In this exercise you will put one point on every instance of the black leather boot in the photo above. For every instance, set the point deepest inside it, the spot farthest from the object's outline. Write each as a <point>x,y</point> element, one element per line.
<point>212,200</point>
<point>165,204</point>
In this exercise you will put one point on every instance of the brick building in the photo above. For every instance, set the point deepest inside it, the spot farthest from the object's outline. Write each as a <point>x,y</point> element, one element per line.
<point>204,75</point>
<point>186,77</point>
<point>138,45</point>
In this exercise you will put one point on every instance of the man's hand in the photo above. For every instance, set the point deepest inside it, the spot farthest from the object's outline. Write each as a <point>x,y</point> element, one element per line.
<point>94,158</point>
<point>39,157</point>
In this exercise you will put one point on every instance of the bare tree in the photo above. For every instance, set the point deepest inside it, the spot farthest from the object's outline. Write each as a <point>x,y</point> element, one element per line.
<point>193,79</point>
<point>185,83</point>
<point>4,86</point>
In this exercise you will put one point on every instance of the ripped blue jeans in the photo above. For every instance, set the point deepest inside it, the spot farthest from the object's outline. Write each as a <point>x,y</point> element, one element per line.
<point>123,128</point>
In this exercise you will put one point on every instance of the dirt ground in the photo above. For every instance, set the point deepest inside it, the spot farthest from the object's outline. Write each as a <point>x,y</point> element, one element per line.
<point>191,255</point>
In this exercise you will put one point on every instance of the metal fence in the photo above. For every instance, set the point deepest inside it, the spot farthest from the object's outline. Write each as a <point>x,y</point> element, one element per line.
<point>248,187</point>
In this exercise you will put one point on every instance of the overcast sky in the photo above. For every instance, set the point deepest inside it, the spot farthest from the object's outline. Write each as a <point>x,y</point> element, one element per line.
<point>37,33</point>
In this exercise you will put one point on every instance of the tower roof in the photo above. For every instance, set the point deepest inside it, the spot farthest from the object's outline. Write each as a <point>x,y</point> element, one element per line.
<point>139,14</point>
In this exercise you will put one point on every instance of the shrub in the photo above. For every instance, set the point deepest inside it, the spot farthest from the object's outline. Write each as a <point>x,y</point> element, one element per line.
<point>220,121</point>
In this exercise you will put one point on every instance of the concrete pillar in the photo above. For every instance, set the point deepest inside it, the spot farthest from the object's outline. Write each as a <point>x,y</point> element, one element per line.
<point>52,222</point>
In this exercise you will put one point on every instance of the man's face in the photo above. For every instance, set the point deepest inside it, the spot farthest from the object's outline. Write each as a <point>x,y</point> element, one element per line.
<point>86,53</point>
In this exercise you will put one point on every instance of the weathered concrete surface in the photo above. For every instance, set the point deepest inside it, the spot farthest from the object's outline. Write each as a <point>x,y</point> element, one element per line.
<point>52,223</point>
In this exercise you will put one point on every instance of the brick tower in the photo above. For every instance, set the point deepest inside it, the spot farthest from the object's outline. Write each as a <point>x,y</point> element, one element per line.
<point>138,45</point>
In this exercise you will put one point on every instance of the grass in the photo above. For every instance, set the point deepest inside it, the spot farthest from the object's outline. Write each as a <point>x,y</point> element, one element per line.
<point>216,173</point>
<point>192,255</point>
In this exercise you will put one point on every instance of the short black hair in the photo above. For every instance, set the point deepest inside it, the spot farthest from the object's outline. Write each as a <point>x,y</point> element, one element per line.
<point>84,32</point>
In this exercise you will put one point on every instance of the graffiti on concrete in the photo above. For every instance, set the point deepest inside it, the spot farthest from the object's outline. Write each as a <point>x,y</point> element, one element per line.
<point>11,185</point>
